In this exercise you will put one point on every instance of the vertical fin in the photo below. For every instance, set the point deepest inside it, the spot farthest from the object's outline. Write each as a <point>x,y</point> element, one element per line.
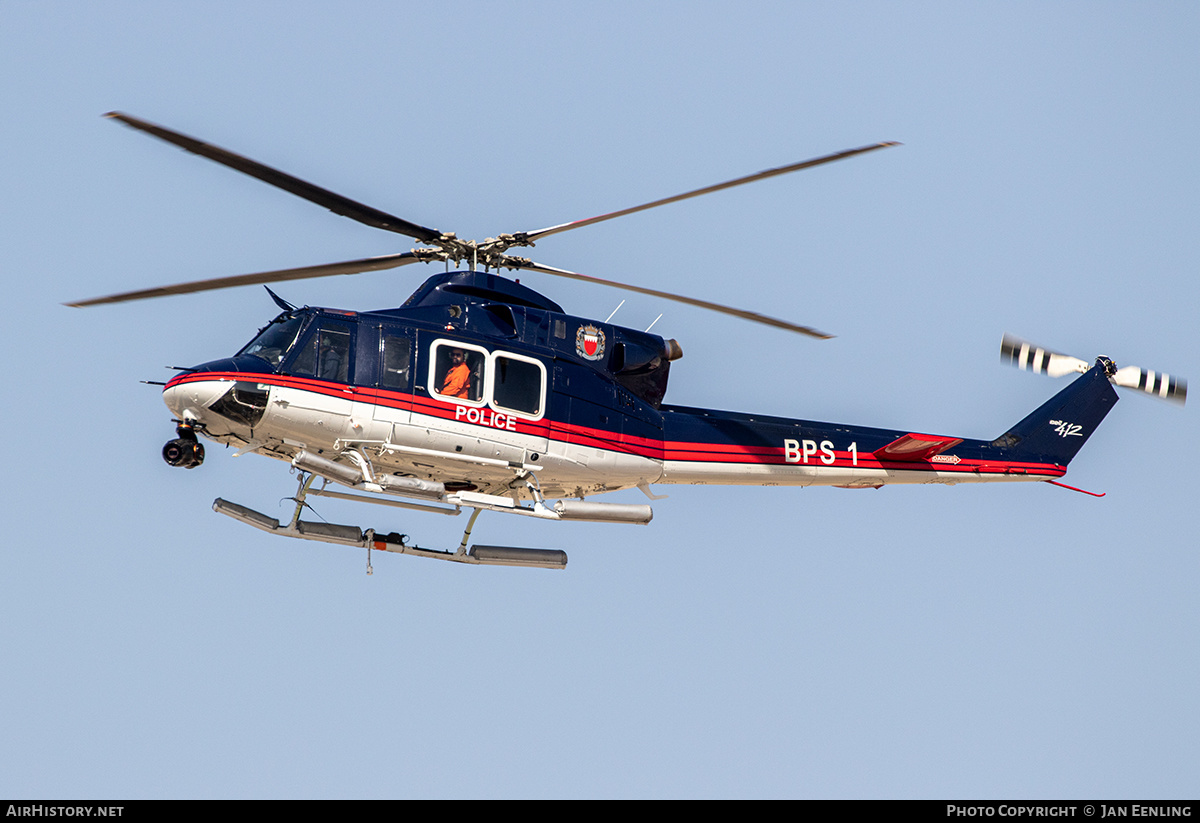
<point>1057,430</point>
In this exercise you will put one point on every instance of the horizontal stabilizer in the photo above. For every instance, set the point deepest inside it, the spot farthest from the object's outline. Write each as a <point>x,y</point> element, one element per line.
<point>914,447</point>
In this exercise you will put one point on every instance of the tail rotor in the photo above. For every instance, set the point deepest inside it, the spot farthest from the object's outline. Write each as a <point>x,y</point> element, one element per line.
<point>1031,357</point>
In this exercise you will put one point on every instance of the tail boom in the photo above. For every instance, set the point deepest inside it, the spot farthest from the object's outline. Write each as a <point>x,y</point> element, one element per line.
<point>706,447</point>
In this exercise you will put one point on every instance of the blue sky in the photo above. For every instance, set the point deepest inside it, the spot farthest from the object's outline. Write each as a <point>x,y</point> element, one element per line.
<point>1019,641</point>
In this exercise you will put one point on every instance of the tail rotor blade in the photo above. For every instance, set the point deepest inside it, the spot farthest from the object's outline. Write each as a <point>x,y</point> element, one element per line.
<point>1028,357</point>
<point>1155,383</point>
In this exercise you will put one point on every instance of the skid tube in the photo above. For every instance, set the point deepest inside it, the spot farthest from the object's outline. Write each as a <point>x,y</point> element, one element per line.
<point>478,555</point>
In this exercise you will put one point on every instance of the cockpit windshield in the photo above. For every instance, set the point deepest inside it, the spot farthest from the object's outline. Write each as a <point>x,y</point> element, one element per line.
<point>274,341</point>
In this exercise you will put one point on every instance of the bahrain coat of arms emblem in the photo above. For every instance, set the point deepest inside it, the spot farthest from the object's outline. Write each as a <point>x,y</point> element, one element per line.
<point>589,342</point>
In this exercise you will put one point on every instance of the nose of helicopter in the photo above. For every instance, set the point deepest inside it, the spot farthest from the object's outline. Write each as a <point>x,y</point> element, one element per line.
<point>189,396</point>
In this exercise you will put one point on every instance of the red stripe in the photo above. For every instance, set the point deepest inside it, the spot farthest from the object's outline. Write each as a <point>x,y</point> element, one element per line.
<point>677,451</point>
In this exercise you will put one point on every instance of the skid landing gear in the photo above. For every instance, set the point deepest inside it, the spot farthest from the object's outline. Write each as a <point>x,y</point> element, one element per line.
<point>396,543</point>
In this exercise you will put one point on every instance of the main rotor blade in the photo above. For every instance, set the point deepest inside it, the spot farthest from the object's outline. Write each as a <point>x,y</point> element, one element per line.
<point>387,261</point>
<point>678,298</point>
<point>762,175</point>
<point>336,203</point>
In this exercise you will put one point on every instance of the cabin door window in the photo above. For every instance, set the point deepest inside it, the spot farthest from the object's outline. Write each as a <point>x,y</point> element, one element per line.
<point>395,353</point>
<point>457,372</point>
<point>518,385</point>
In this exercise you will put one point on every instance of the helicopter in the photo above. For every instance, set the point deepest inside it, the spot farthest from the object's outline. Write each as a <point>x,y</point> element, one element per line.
<point>480,393</point>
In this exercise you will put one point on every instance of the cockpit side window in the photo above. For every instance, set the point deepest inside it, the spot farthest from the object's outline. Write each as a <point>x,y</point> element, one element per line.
<point>325,354</point>
<point>273,342</point>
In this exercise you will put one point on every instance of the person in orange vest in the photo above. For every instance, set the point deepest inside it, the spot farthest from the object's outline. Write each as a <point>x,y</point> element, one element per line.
<point>458,377</point>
